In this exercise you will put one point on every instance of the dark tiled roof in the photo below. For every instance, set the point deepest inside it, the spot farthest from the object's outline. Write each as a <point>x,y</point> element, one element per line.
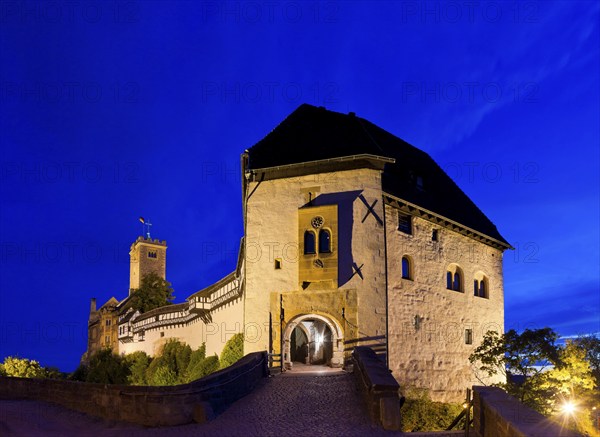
<point>313,133</point>
<point>173,308</point>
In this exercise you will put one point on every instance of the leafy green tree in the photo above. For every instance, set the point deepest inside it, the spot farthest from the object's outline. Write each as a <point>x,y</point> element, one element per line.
<point>573,378</point>
<point>591,345</point>
<point>23,368</point>
<point>107,368</point>
<point>175,356</point>
<point>233,350</point>
<point>53,373</point>
<point>572,381</point>
<point>527,355</point>
<point>203,368</point>
<point>162,375</point>
<point>80,374</point>
<point>154,292</point>
<point>138,363</point>
<point>196,358</point>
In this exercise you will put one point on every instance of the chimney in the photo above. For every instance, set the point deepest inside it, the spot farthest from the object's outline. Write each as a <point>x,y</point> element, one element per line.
<point>93,305</point>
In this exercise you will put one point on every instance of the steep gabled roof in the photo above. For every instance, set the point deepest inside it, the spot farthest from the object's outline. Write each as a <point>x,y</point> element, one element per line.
<point>313,134</point>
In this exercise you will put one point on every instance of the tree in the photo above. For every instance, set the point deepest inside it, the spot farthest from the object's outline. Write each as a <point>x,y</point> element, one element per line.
<point>591,345</point>
<point>163,376</point>
<point>525,356</point>
<point>138,363</point>
<point>154,292</point>
<point>233,350</point>
<point>107,368</point>
<point>22,368</point>
<point>204,368</point>
<point>174,355</point>
<point>195,359</point>
<point>572,381</point>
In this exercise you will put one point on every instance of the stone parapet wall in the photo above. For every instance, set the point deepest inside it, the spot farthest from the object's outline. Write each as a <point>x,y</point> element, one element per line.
<point>497,414</point>
<point>379,388</point>
<point>198,401</point>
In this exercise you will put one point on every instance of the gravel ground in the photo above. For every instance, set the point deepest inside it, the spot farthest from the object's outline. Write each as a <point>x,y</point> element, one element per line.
<point>284,405</point>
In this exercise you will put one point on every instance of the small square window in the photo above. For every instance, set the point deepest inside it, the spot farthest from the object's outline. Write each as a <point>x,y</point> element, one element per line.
<point>162,334</point>
<point>468,336</point>
<point>434,235</point>
<point>277,263</point>
<point>404,223</point>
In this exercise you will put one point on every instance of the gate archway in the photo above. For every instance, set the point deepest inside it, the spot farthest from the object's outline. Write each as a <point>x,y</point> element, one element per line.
<point>313,339</point>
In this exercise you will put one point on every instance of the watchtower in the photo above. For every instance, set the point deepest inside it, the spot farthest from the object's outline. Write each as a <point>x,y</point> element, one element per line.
<point>146,255</point>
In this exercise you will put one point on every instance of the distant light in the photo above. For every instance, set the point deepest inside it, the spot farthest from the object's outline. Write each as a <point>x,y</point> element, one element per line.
<point>568,408</point>
<point>465,405</point>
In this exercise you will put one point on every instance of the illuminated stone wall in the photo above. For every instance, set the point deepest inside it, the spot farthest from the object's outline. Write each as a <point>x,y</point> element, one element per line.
<point>357,305</point>
<point>427,322</point>
<point>146,256</point>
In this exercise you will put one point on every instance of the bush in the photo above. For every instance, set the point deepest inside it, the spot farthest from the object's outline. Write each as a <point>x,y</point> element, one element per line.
<point>175,356</point>
<point>162,375</point>
<point>233,350</point>
<point>138,363</point>
<point>107,368</point>
<point>420,413</point>
<point>23,368</point>
<point>80,374</point>
<point>204,368</point>
<point>195,359</point>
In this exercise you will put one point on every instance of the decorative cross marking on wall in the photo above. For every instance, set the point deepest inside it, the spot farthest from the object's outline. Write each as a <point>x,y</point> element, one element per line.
<point>357,271</point>
<point>370,210</point>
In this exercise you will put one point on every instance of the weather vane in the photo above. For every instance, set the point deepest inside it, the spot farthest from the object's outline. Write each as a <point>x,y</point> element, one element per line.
<point>146,227</point>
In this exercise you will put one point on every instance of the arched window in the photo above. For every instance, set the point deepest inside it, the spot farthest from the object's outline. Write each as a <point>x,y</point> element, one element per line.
<point>454,278</point>
<point>406,268</point>
<point>480,285</point>
<point>309,242</point>
<point>324,241</point>
<point>456,283</point>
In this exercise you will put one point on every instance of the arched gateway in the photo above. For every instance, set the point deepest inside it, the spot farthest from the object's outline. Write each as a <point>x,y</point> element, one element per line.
<point>313,339</point>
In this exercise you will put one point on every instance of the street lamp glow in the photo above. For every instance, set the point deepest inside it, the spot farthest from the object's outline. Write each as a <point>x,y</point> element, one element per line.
<point>568,408</point>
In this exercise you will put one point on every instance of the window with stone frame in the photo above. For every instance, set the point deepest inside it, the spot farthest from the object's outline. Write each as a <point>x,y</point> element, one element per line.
<point>405,223</point>
<point>406,268</point>
<point>309,242</point>
<point>324,241</point>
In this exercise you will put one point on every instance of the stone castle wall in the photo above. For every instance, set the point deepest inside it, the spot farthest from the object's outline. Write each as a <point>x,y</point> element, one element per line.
<point>146,256</point>
<point>427,322</point>
<point>272,232</point>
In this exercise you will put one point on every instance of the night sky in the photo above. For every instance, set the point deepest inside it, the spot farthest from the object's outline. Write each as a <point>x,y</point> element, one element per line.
<point>115,110</point>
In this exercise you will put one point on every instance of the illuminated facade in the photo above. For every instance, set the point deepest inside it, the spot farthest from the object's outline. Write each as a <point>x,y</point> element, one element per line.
<point>352,237</point>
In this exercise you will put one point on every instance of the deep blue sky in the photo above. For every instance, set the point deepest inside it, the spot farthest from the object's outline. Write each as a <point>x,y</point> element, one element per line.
<point>115,110</point>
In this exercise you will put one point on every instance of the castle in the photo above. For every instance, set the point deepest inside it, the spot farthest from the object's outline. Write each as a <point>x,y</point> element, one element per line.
<point>351,237</point>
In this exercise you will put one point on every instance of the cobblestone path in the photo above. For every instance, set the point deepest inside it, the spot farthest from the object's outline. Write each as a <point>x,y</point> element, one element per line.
<point>283,405</point>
